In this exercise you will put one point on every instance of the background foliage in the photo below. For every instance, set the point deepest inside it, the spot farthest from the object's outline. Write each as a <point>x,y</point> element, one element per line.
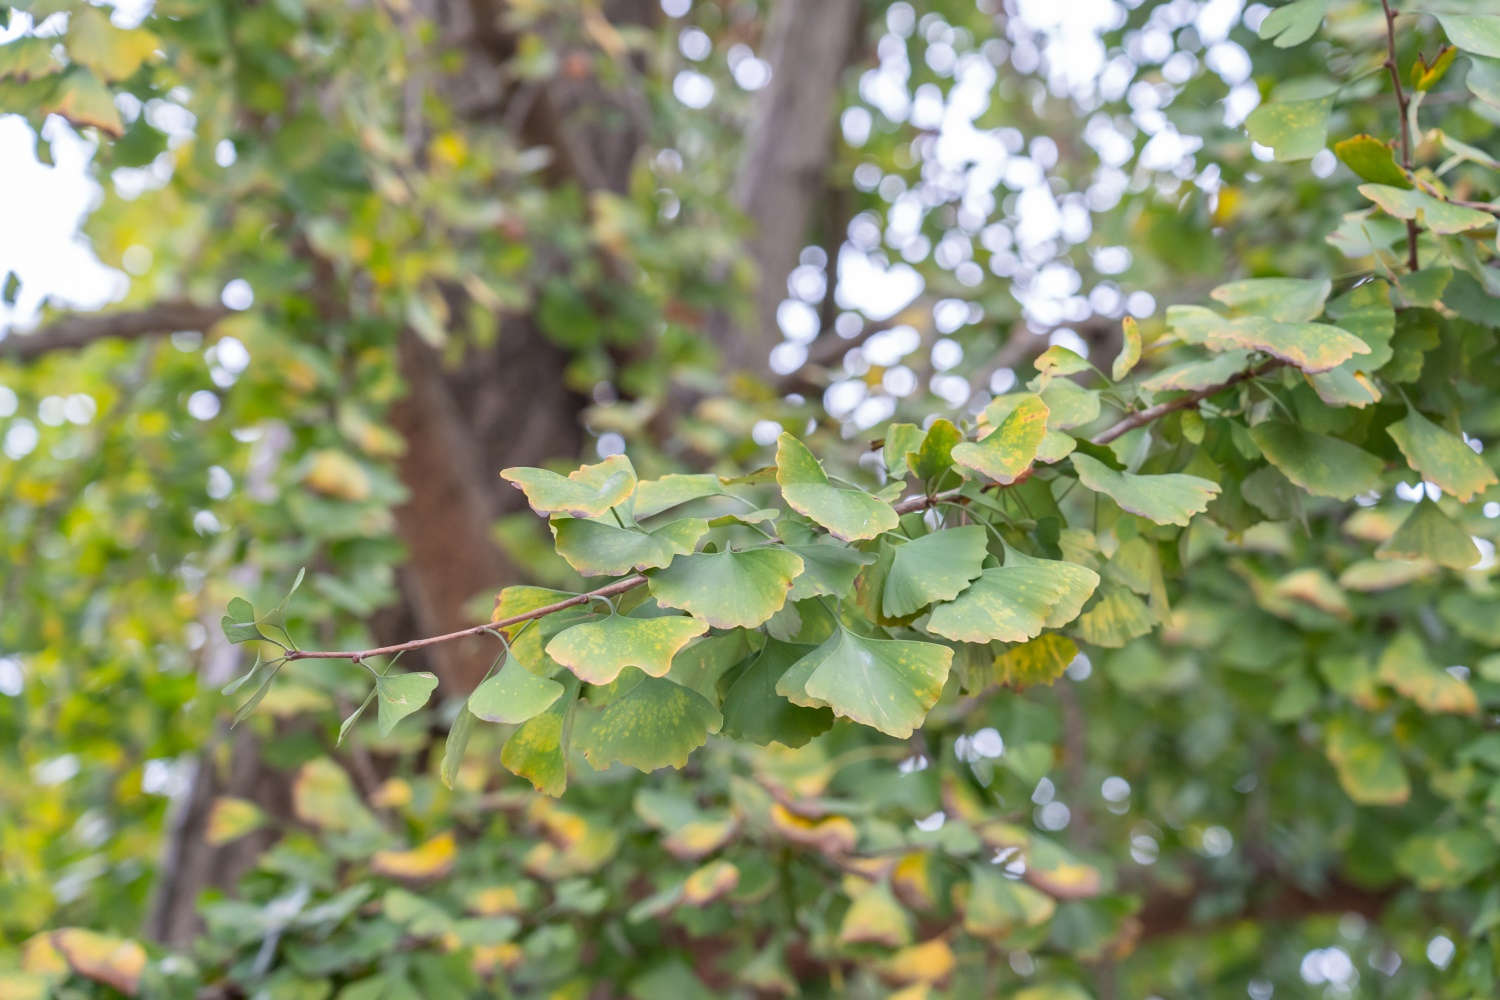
<point>1054,558</point>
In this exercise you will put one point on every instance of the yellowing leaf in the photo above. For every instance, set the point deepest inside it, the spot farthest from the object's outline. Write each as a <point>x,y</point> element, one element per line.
<point>1009,451</point>
<point>113,961</point>
<point>1369,768</point>
<point>714,880</point>
<point>1130,349</point>
<point>430,860</point>
<point>1428,533</point>
<point>829,835</point>
<point>650,723</point>
<point>598,650</point>
<point>1404,666</point>
<point>336,474</point>
<point>929,962</point>
<point>728,589</point>
<point>875,917</point>
<point>230,819</point>
<point>586,492</point>
<point>1172,498</point>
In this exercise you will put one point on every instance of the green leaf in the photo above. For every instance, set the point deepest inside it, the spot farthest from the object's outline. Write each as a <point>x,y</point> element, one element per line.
<point>1009,450</point>
<point>1447,860</point>
<point>1313,347</point>
<point>753,710</point>
<point>598,650</point>
<point>27,57</point>
<point>1171,498</point>
<point>83,101</point>
<point>1058,360</point>
<point>402,694</point>
<point>1285,300</point>
<point>1014,602</point>
<point>1295,130</point>
<point>1368,766</point>
<point>827,570</point>
<point>1365,312</point>
<point>1483,80</point>
<point>848,514</point>
<point>1428,533</point>
<point>587,492</point>
<point>1130,349</point>
<point>1116,618</point>
<point>1294,23</point>
<point>513,694</point>
<point>1441,457</point>
<point>648,724</point>
<point>935,455</point>
<point>995,906</point>
<point>239,622</point>
<point>538,750</point>
<point>354,717</point>
<point>900,439</point>
<point>653,496</point>
<point>1371,160</point>
<point>888,684</point>
<point>456,744</point>
<point>935,567</point>
<point>728,589</point>
<point>595,548</point>
<point>1476,33</point>
<point>1192,375</point>
<point>1321,465</point>
<point>1434,213</point>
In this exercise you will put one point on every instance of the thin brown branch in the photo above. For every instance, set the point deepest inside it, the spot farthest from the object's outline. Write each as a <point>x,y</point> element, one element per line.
<point>1142,417</point>
<point>74,332</point>
<point>1270,899</point>
<point>908,505</point>
<point>1402,103</point>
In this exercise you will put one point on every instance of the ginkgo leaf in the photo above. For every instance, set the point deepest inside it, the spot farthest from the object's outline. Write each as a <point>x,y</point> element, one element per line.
<point>1447,860</point>
<point>1441,457</point>
<point>1191,375</point>
<point>1040,661</point>
<point>538,750</point>
<point>827,570</point>
<point>875,916</point>
<point>1365,312</point>
<point>1011,448</point>
<point>900,440</point>
<point>1170,498</point>
<point>728,589</point>
<point>1322,465</point>
<point>1312,347</point>
<point>1130,349</point>
<point>1369,768</point>
<point>848,514</point>
<point>429,860</point>
<point>402,694</point>
<point>1059,360</point>
<point>1371,159</point>
<point>598,650</point>
<point>1293,129</point>
<point>995,905</point>
<point>513,695</point>
<point>1434,213</point>
<point>652,496</point>
<point>1294,23</point>
<point>1285,300</point>
<point>934,567</point>
<point>83,100</point>
<point>888,684</point>
<point>753,711</point>
<point>1476,33</point>
<point>1007,603</point>
<point>595,548</point>
<point>231,818</point>
<point>1428,533</point>
<point>1116,618</point>
<point>586,492</point>
<point>113,961</point>
<point>649,723</point>
<point>1078,583</point>
<point>1404,666</point>
<point>934,456</point>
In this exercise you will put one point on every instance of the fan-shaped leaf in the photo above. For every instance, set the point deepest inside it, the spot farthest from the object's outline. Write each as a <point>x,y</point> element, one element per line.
<point>538,750</point>
<point>649,723</point>
<point>1009,603</point>
<point>1368,766</point>
<point>513,695</point>
<point>598,650</point>
<point>402,694</point>
<point>753,710</point>
<point>1434,213</point>
<point>848,514</point>
<point>1172,498</point>
<point>888,684</point>
<point>1285,300</point>
<point>595,548</point>
<point>1321,465</point>
<point>1428,533</point>
<point>728,589</point>
<point>935,567</point>
<point>1441,457</point>
<point>1009,451</point>
<point>586,492</point>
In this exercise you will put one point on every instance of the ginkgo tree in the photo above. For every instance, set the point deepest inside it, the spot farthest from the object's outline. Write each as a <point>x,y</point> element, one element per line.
<point>1163,664</point>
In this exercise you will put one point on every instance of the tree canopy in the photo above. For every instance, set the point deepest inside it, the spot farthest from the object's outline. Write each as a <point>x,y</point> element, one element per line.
<point>758,498</point>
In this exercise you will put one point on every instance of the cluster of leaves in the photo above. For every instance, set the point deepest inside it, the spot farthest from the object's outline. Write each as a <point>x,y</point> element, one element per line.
<point>1266,530</point>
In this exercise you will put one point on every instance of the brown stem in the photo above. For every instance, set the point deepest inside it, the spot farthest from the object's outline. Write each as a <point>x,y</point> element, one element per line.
<point>1401,103</point>
<point>1142,417</point>
<point>73,332</point>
